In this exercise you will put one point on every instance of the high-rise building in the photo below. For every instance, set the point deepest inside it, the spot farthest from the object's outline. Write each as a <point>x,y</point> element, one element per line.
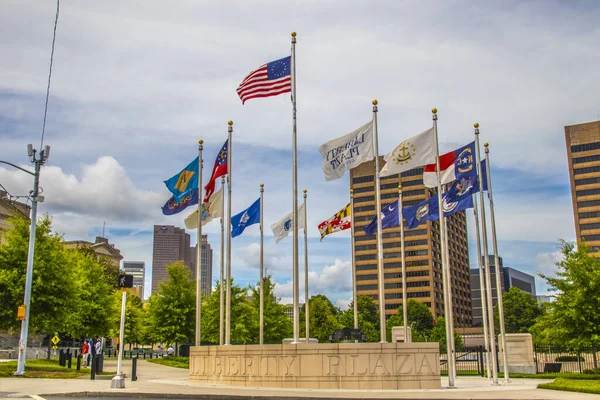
<point>509,277</point>
<point>422,247</point>
<point>583,155</point>
<point>172,244</point>
<point>137,269</point>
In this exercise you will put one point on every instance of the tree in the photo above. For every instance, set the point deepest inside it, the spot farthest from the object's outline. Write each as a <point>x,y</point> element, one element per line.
<point>172,308</point>
<point>520,311</point>
<point>276,324</point>
<point>573,317</point>
<point>53,290</point>
<point>420,320</point>
<point>438,334</point>
<point>322,318</point>
<point>368,317</point>
<point>134,318</point>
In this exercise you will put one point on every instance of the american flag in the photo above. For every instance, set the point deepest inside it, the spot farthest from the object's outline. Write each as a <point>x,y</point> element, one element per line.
<point>269,79</point>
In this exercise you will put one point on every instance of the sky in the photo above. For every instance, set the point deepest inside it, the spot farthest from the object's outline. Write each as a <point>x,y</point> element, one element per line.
<point>136,84</point>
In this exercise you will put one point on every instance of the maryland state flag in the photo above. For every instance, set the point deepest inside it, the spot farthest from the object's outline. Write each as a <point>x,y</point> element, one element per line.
<point>342,220</point>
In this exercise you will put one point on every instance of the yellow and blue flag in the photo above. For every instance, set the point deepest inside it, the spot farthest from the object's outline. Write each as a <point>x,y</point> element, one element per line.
<point>184,182</point>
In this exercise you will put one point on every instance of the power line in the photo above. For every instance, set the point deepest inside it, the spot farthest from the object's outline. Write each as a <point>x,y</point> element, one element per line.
<point>50,74</point>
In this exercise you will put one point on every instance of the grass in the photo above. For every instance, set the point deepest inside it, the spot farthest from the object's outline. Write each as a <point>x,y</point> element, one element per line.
<point>573,385</point>
<point>41,368</point>
<point>171,361</point>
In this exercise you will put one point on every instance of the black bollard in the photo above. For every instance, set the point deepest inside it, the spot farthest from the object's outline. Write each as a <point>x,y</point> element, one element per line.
<point>61,358</point>
<point>69,360</point>
<point>79,362</point>
<point>145,352</point>
<point>92,368</point>
<point>134,369</point>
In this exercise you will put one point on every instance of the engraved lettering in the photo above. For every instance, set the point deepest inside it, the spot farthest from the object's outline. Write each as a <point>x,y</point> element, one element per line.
<point>288,367</point>
<point>232,366</point>
<point>402,361</point>
<point>354,370</point>
<point>425,363</point>
<point>333,363</point>
<point>267,370</point>
<point>217,366</point>
<point>379,368</point>
<point>248,366</point>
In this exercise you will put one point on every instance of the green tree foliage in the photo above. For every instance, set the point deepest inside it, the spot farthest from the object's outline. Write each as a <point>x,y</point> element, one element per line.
<point>520,311</point>
<point>172,308</point>
<point>210,316</point>
<point>368,318</point>
<point>573,317</point>
<point>420,320</point>
<point>276,324</point>
<point>134,318</point>
<point>53,290</point>
<point>94,313</point>
<point>438,334</point>
<point>323,318</point>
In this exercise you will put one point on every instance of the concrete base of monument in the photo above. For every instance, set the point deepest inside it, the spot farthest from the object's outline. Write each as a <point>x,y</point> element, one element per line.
<point>320,366</point>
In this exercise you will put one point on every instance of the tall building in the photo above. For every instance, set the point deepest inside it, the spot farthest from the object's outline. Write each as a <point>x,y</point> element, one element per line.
<point>172,244</point>
<point>422,247</point>
<point>137,269</point>
<point>100,246</point>
<point>583,154</point>
<point>509,277</point>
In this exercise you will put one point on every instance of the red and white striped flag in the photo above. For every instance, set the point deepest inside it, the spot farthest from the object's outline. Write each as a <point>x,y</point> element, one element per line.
<point>270,79</point>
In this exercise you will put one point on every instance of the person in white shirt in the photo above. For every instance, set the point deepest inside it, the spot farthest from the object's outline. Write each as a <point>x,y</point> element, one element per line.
<point>98,346</point>
<point>170,351</point>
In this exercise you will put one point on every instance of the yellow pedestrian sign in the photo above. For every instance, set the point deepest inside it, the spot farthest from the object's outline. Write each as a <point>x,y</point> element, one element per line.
<point>55,340</point>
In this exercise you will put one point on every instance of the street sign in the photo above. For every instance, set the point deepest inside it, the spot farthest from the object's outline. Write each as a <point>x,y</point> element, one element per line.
<point>55,340</point>
<point>125,281</point>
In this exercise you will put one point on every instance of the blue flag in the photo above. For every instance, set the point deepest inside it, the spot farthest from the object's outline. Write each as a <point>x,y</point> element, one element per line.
<point>173,206</point>
<point>185,181</point>
<point>249,216</point>
<point>389,218</point>
<point>466,185</point>
<point>428,210</point>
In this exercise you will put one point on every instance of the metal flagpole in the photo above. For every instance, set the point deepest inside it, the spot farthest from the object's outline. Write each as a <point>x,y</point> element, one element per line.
<point>228,299</point>
<point>261,284</point>
<point>450,339</point>
<point>403,258</point>
<point>496,263</point>
<point>118,382</point>
<point>486,261</point>
<point>354,296</point>
<point>486,339</point>
<point>296,271</point>
<point>445,268</point>
<point>306,307</point>
<point>379,229</point>
<point>199,246</point>
<point>222,269</point>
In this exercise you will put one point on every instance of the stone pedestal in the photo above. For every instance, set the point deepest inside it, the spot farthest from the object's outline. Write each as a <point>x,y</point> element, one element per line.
<point>398,334</point>
<point>118,382</point>
<point>519,348</point>
<point>320,366</point>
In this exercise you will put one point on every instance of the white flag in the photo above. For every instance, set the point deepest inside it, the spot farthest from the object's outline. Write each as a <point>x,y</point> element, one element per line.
<point>347,152</point>
<point>210,210</point>
<point>412,153</point>
<point>285,225</point>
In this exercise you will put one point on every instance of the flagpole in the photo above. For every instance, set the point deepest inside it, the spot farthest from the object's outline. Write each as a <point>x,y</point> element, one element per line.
<point>296,271</point>
<point>486,261</point>
<point>445,269</point>
<point>450,339</point>
<point>222,269</point>
<point>199,247</point>
<point>404,286</point>
<point>354,296</point>
<point>228,299</point>
<point>379,228</point>
<point>306,306</point>
<point>486,340</point>
<point>261,322</point>
<point>497,263</point>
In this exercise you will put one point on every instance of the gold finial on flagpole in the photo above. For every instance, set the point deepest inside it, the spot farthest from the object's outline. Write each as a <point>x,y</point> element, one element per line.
<point>351,191</point>
<point>293,34</point>
<point>434,110</point>
<point>399,187</point>
<point>375,102</point>
<point>262,185</point>
<point>230,122</point>
<point>476,124</point>
<point>305,191</point>
<point>201,141</point>
<point>486,145</point>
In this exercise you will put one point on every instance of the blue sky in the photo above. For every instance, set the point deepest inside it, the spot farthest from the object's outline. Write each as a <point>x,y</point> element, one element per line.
<point>133,89</point>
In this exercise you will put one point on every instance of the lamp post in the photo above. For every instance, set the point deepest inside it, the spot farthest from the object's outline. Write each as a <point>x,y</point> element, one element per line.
<point>38,159</point>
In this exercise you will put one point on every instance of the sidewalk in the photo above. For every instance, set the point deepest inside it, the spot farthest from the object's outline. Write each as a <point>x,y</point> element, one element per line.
<point>158,381</point>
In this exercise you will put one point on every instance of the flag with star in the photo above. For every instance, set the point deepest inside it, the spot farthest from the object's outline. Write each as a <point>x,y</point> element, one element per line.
<point>342,220</point>
<point>219,169</point>
<point>389,218</point>
<point>270,79</point>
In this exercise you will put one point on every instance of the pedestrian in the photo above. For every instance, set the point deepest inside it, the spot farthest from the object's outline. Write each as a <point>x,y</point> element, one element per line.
<point>85,352</point>
<point>98,346</point>
<point>92,351</point>
<point>170,351</point>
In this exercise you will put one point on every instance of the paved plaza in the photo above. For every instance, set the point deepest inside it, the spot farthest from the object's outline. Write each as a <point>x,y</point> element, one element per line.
<point>157,381</point>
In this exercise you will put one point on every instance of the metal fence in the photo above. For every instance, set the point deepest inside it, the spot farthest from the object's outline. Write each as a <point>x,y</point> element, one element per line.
<point>469,361</point>
<point>560,359</point>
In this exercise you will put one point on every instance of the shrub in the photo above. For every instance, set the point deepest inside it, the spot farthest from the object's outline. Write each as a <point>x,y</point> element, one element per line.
<point>569,358</point>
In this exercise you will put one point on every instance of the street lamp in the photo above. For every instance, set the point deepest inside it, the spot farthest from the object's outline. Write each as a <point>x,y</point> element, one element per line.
<point>38,159</point>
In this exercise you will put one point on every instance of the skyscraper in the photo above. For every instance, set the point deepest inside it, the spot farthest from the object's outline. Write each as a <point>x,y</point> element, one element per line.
<point>137,269</point>
<point>172,244</point>
<point>422,247</point>
<point>583,155</point>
